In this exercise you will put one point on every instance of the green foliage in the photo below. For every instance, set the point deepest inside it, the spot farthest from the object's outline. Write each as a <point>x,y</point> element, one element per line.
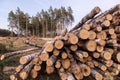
<point>2,48</point>
<point>7,62</point>
<point>10,45</point>
<point>4,32</point>
<point>45,21</point>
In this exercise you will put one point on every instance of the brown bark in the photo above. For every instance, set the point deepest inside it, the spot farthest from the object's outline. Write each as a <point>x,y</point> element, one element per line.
<point>51,60</point>
<point>90,15</point>
<point>85,69</point>
<point>58,64</point>
<point>44,56</point>
<point>96,75</point>
<point>27,58</point>
<point>25,72</point>
<point>15,53</point>
<point>32,44</point>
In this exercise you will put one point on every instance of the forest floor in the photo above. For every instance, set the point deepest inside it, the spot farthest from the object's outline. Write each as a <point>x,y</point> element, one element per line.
<point>14,44</point>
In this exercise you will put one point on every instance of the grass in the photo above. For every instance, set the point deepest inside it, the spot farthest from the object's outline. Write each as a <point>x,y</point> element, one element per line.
<point>13,44</point>
<point>7,62</point>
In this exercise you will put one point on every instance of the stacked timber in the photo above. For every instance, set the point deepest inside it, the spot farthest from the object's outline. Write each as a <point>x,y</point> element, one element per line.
<point>91,48</point>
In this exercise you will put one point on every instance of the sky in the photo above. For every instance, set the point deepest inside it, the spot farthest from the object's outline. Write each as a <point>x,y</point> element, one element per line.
<point>80,7</point>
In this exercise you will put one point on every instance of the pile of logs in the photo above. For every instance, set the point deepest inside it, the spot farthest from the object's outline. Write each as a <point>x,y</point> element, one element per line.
<point>91,48</point>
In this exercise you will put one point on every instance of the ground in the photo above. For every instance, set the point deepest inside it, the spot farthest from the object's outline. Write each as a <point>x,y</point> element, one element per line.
<point>14,44</point>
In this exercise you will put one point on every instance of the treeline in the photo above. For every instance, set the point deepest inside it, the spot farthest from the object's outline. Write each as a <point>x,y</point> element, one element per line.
<point>4,32</point>
<point>45,23</point>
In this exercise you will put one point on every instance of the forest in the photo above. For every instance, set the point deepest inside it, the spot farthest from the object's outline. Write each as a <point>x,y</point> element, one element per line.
<point>46,23</point>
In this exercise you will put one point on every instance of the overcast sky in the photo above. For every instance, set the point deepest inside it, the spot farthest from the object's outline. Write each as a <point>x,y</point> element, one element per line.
<point>80,7</point>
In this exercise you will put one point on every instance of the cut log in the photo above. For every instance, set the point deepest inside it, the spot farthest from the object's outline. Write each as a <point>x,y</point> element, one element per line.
<point>63,75</point>
<point>13,76</point>
<point>15,53</point>
<point>64,55</point>
<point>37,61</point>
<point>49,46</point>
<point>96,75</point>
<point>110,31</point>
<point>84,53</point>
<point>25,72</point>
<point>19,68</point>
<point>66,63</point>
<point>49,69</point>
<point>100,42</point>
<point>117,66</point>
<point>83,34</point>
<point>91,45</point>
<point>109,17</point>
<point>56,52</point>
<point>75,68</point>
<point>85,69</point>
<point>92,35</point>
<point>100,48</point>
<point>51,60</point>
<point>106,55</point>
<point>62,69</point>
<point>73,47</point>
<point>58,64</point>
<point>70,76</point>
<point>96,55</point>
<point>79,76</point>
<point>37,67</point>
<point>44,56</point>
<point>34,73</point>
<point>98,28</point>
<point>59,44</point>
<point>32,44</point>
<point>102,67</point>
<point>102,35</point>
<point>86,26</point>
<point>90,15</point>
<point>73,39</point>
<point>27,58</point>
<point>90,64</point>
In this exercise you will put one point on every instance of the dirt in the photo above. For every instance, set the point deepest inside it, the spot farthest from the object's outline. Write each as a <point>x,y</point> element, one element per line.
<point>14,44</point>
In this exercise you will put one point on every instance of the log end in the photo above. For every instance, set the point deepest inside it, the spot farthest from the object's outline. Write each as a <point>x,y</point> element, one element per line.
<point>107,55</point>
<point>91,45</point>
<point>23,60</point>
<point>84,34</point>
<point>12,77</point>
<point>73,39</point>
<point>49,69</point>
<point>37,67</point>
<point>2,57</point>
<point>34,73</point>
<point>92,35</point>
<point>118,57</point>
<point>59,44</point>
<point>98,77</point>
<point>49,47</point>
<point>97,9</point>
<point>49,62</point>
<point>44,56</point>
<point>23,75</point>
